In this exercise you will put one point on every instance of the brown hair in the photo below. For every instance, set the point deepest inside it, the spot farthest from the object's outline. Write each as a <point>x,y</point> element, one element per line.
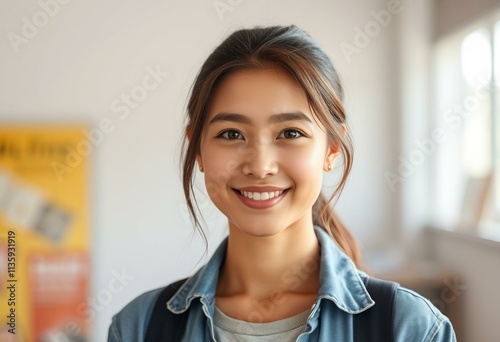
<point>293,50</point>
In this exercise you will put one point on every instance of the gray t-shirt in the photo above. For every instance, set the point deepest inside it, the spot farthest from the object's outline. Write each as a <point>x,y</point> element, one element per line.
<point>228,329</point>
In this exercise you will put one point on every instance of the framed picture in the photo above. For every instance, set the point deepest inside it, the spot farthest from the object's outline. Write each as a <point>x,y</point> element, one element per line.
<point>476,203</point>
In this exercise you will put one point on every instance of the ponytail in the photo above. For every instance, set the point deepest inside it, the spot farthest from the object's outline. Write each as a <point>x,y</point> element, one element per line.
<point>325,218</point>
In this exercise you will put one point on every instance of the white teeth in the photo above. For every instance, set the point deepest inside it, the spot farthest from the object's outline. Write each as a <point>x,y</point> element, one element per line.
<point>261,196</point>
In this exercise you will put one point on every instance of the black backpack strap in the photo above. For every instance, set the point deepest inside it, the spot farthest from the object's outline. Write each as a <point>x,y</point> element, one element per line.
<point>375,324</point>
<point>163,324</point>
<point>372,325</point>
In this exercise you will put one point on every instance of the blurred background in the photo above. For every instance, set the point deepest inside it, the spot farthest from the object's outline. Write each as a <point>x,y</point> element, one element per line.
<point>92,103</point>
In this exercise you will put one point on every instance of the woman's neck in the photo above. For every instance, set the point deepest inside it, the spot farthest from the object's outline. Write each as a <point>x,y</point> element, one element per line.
<point>257,267</point>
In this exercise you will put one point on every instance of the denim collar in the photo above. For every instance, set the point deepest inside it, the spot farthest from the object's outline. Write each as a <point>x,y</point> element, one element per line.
<point>340,281</point>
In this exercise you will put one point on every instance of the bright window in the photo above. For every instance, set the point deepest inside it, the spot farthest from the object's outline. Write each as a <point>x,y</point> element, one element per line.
<point>466,109</point>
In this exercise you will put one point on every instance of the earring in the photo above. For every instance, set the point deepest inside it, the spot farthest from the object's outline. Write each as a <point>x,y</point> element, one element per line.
<point>329,167</point>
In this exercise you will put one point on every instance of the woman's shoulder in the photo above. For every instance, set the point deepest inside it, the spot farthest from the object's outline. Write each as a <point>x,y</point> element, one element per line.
<point>131,322</point>
<point>416,317</point>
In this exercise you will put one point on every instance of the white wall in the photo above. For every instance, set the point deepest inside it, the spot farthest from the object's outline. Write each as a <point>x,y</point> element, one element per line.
<point>91,52</point>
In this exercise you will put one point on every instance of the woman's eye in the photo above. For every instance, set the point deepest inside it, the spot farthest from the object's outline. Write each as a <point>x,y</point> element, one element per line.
<point>230,134</point>
<point>290,134</point>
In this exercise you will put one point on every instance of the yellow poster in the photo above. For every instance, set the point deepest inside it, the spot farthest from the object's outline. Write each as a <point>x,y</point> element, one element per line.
<point>44,233</point>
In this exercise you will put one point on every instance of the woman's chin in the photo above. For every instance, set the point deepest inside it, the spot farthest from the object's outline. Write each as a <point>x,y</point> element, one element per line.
<point>256,230</point>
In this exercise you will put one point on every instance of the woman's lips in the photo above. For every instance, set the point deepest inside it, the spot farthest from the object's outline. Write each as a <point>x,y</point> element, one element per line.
<point>260,199</point>
<point>261,196</point>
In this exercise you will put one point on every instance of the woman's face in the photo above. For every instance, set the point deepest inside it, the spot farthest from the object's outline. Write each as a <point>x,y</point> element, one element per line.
<point>263,153</point>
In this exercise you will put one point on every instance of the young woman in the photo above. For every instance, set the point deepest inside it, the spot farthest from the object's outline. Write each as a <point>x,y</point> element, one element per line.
<point>265,121</point>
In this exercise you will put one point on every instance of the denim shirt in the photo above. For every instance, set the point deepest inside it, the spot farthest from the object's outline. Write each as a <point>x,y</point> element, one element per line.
<point>342,294</point>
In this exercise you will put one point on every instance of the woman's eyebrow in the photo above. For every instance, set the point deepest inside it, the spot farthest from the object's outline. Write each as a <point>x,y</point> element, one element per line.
<point>294,116</point>
<point>275,118</point>
<point>233,117</point>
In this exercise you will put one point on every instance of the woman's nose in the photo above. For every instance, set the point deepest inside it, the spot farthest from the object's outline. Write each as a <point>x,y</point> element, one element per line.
<point>260,162</point>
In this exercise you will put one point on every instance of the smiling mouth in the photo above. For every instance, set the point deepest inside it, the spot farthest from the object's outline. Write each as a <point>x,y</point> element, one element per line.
<point>260,196</point>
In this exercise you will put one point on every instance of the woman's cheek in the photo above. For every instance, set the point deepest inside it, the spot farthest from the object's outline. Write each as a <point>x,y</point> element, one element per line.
<point>219,167</point>
<point>304,162</point>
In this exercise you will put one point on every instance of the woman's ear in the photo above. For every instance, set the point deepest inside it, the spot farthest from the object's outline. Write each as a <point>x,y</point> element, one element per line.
<point>189,134</point>
<point>333,150</point>
<point>332,153</point>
